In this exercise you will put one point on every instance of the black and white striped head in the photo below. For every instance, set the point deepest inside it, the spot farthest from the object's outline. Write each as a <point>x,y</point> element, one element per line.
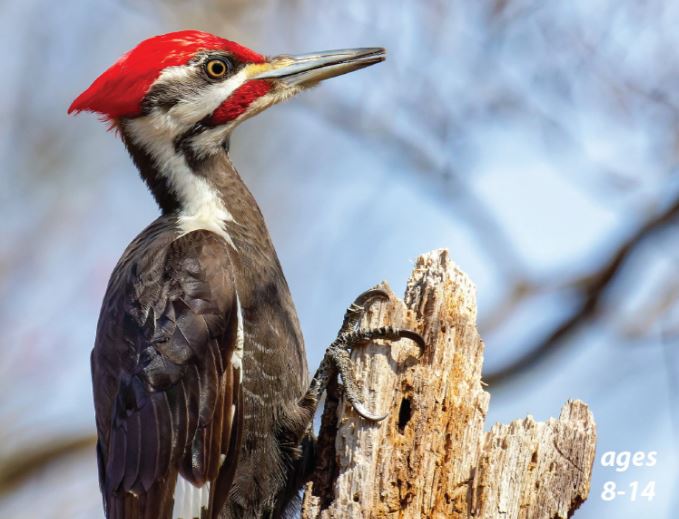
<point>193,88</point>
<point>175,98</point>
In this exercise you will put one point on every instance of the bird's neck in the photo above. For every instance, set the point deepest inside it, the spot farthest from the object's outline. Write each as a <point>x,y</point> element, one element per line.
<point>202,194</point>
<point>156,174</point>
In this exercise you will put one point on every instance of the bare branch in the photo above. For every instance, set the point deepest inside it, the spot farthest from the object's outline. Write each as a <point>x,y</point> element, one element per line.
<point>591,294</point>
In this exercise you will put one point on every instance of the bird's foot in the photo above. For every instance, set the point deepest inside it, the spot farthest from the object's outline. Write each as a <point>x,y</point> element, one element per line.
<point>337,358</point>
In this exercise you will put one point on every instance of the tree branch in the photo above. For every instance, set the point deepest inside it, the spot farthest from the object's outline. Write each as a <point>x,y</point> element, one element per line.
<point>591,291</point>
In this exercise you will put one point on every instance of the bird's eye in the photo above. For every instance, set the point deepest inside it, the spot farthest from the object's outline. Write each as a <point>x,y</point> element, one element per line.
<point>217,68</point>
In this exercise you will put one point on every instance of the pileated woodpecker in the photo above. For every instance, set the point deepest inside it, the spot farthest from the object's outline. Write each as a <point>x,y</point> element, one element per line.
<point>202,396</point>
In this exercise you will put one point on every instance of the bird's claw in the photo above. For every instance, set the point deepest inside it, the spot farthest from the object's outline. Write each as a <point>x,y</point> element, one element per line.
<point>349,340</point>
<point>350,336</point>
<point>349,389</point>
<point>338,361</point>
<point>365,414</point>
<point>356,310</point>
<point>343,364</point>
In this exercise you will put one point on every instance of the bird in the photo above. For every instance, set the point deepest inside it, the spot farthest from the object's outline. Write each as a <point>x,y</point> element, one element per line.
<point>203,400</point>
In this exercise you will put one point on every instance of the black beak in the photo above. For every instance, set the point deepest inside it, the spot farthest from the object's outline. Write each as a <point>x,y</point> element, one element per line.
<point>309,69</point>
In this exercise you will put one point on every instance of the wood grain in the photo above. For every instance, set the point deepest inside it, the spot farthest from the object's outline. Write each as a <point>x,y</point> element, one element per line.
<point>431,456</point>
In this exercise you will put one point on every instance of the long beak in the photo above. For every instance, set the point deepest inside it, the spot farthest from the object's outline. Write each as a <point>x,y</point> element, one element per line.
<point>308,69</point>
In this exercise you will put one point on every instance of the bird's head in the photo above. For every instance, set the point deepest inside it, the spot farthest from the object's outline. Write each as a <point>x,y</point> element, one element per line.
<point>190,88</point>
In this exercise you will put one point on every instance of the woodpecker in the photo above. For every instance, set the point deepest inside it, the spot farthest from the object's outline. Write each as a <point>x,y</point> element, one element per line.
<point>202,396</point>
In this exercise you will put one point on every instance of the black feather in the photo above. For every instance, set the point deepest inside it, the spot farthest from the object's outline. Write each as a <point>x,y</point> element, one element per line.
<point>156,399</point>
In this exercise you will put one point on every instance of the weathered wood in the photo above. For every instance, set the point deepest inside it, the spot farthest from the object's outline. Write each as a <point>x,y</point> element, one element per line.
<point>431,456</point>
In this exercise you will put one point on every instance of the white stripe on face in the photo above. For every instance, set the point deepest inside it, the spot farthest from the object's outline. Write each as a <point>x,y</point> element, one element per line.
<point>201,206</point>
<point>198,105</point>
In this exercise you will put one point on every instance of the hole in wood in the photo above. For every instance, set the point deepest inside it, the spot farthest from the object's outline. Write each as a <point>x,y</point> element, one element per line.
<point>404,414</point>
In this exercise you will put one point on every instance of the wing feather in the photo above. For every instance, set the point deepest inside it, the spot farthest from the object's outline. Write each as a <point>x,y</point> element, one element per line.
<point>150,442</point>
<point>163,382</point>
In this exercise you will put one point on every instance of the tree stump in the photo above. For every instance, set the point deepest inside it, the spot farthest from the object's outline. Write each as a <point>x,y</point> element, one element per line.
<point>431,456</point>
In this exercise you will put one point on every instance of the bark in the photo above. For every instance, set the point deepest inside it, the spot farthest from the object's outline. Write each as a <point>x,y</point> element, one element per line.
<point>431,456</point>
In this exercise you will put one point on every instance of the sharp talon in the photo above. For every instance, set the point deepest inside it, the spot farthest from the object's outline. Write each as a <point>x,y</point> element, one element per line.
<point>364,413</point>
<point>355,311</point>
<point>369,296</point>
<point>337,355</point>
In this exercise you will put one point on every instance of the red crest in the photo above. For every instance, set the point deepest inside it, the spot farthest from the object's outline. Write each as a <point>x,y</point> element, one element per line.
<point>120,90</point>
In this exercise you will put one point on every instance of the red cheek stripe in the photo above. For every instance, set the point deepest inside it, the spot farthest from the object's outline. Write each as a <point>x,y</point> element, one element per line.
<point>238,102</point>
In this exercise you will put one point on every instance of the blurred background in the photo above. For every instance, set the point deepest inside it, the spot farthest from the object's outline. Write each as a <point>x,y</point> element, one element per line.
<point>538,141</point>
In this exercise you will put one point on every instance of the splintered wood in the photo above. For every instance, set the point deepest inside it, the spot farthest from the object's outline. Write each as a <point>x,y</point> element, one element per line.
<point>431,456</point>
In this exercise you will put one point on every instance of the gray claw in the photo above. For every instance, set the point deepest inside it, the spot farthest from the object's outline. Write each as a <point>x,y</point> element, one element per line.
<point>349,335</point>
<point>363,412</point>
<point>357,308</point>
<point>370,295</point>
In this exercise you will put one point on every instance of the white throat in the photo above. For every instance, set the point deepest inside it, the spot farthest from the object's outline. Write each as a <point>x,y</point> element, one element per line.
<point>201,205</point>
